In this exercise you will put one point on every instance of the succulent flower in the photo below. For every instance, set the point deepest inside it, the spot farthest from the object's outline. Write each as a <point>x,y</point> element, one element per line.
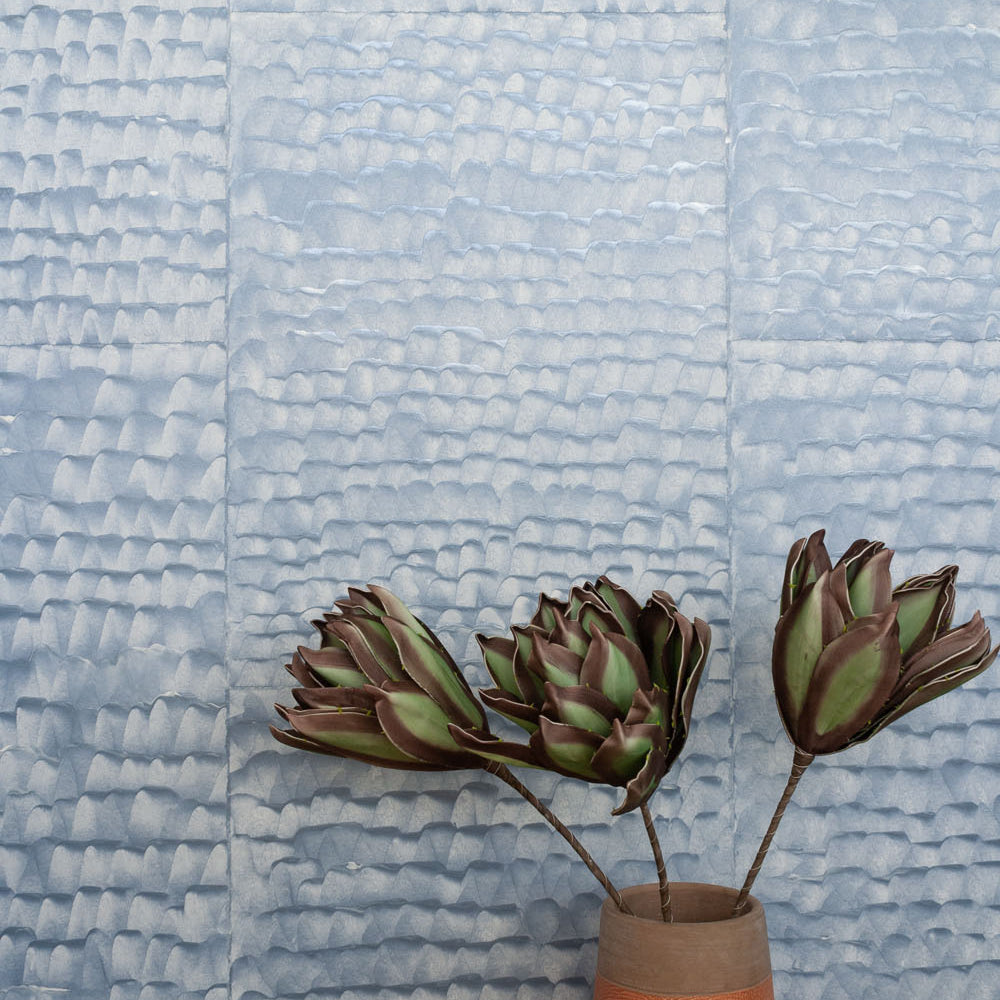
<point>381,689</point>
<point>605,688</point>
<point>852,653</point>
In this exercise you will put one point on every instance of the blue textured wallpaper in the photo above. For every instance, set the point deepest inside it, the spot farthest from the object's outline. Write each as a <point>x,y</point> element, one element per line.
<point>473,300</point>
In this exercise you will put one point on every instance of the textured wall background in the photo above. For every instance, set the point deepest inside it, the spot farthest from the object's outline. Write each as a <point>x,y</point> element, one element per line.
<point>473,302</point>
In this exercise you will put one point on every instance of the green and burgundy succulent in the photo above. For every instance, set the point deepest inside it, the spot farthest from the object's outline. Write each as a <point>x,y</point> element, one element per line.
<point>381,689</point>
<point>852,653</point>
<point>604,686</point>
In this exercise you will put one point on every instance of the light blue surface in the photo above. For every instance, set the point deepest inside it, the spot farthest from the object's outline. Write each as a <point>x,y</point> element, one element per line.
<point>475,302</point>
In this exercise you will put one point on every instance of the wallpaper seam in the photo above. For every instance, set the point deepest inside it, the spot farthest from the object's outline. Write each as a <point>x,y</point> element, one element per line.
<point>226,626</point>
<point>560,12</point>
<point>728,22</point>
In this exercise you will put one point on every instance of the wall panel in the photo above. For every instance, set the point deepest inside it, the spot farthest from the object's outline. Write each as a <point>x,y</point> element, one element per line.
<point>112,695</point>
<point>478,330</point>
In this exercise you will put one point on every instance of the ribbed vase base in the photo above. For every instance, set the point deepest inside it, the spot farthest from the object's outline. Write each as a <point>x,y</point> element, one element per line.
<point>605,990</point>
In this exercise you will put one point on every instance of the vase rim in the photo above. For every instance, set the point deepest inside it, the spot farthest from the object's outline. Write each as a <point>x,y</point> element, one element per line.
<point>724,896</point>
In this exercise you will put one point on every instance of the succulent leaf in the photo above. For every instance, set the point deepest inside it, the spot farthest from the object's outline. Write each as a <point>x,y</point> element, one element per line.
<point>838,609</point>
<point>570,748</point>
<point>360,652</point>
<point>676,662</point>
<point>417,726</point>
<point>526,716</point>
<point>798,643</point>
<point>614,666</point>
<point>529,684</point>
<point>393,607</point>
<point>381,647</point>
<point>958,649</point>
<point>299,669</point>
<point>854,676</point>
<point>357,733</point>
<point>326,697</point>
<point>858,554</point>
<point>491,747</point>
<point>571,635</point>
<point>624,751</point>
<point>652,706</point>
<point>437,674</point>
<point>554,663</point>
<point>696,666</point>
<point>933,688</point>
<point>642,786</point>
<point>578,596</point>
<point>925,604</point>
<point>656,627</point>
<point>595,618</point>
<point>332,666</point>
<point>327,639</point>
<point>498,654</point>
<point>582,707</point>
<point>293,739</point>
<point>548,612</point>
<point>870,583</point>
<point>622,605</point>
<point>359,600</point>
<point>807,561</point>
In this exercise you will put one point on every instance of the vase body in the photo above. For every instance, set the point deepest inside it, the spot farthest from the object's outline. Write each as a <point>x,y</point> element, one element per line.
<point>705,954</point>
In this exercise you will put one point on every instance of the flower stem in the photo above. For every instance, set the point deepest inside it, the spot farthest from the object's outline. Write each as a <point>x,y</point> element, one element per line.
<point>504,774</point>
<point>800,762</point>
<point>666,913</point>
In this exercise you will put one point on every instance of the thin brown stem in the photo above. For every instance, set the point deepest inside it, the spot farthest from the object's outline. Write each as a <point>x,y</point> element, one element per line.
<point>800,762</point>
<point>666,913</point>
<point>504,774</point>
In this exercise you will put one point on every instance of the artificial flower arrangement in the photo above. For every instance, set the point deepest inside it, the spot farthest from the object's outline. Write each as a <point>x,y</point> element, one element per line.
<point>604,687</point>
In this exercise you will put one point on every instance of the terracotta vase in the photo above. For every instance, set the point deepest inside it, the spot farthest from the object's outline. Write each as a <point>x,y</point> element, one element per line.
<point>705,954</point>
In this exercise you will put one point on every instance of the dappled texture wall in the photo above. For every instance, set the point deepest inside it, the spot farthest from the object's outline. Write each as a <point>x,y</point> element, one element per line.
<point>473,303</point>
<point>477,343</point>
